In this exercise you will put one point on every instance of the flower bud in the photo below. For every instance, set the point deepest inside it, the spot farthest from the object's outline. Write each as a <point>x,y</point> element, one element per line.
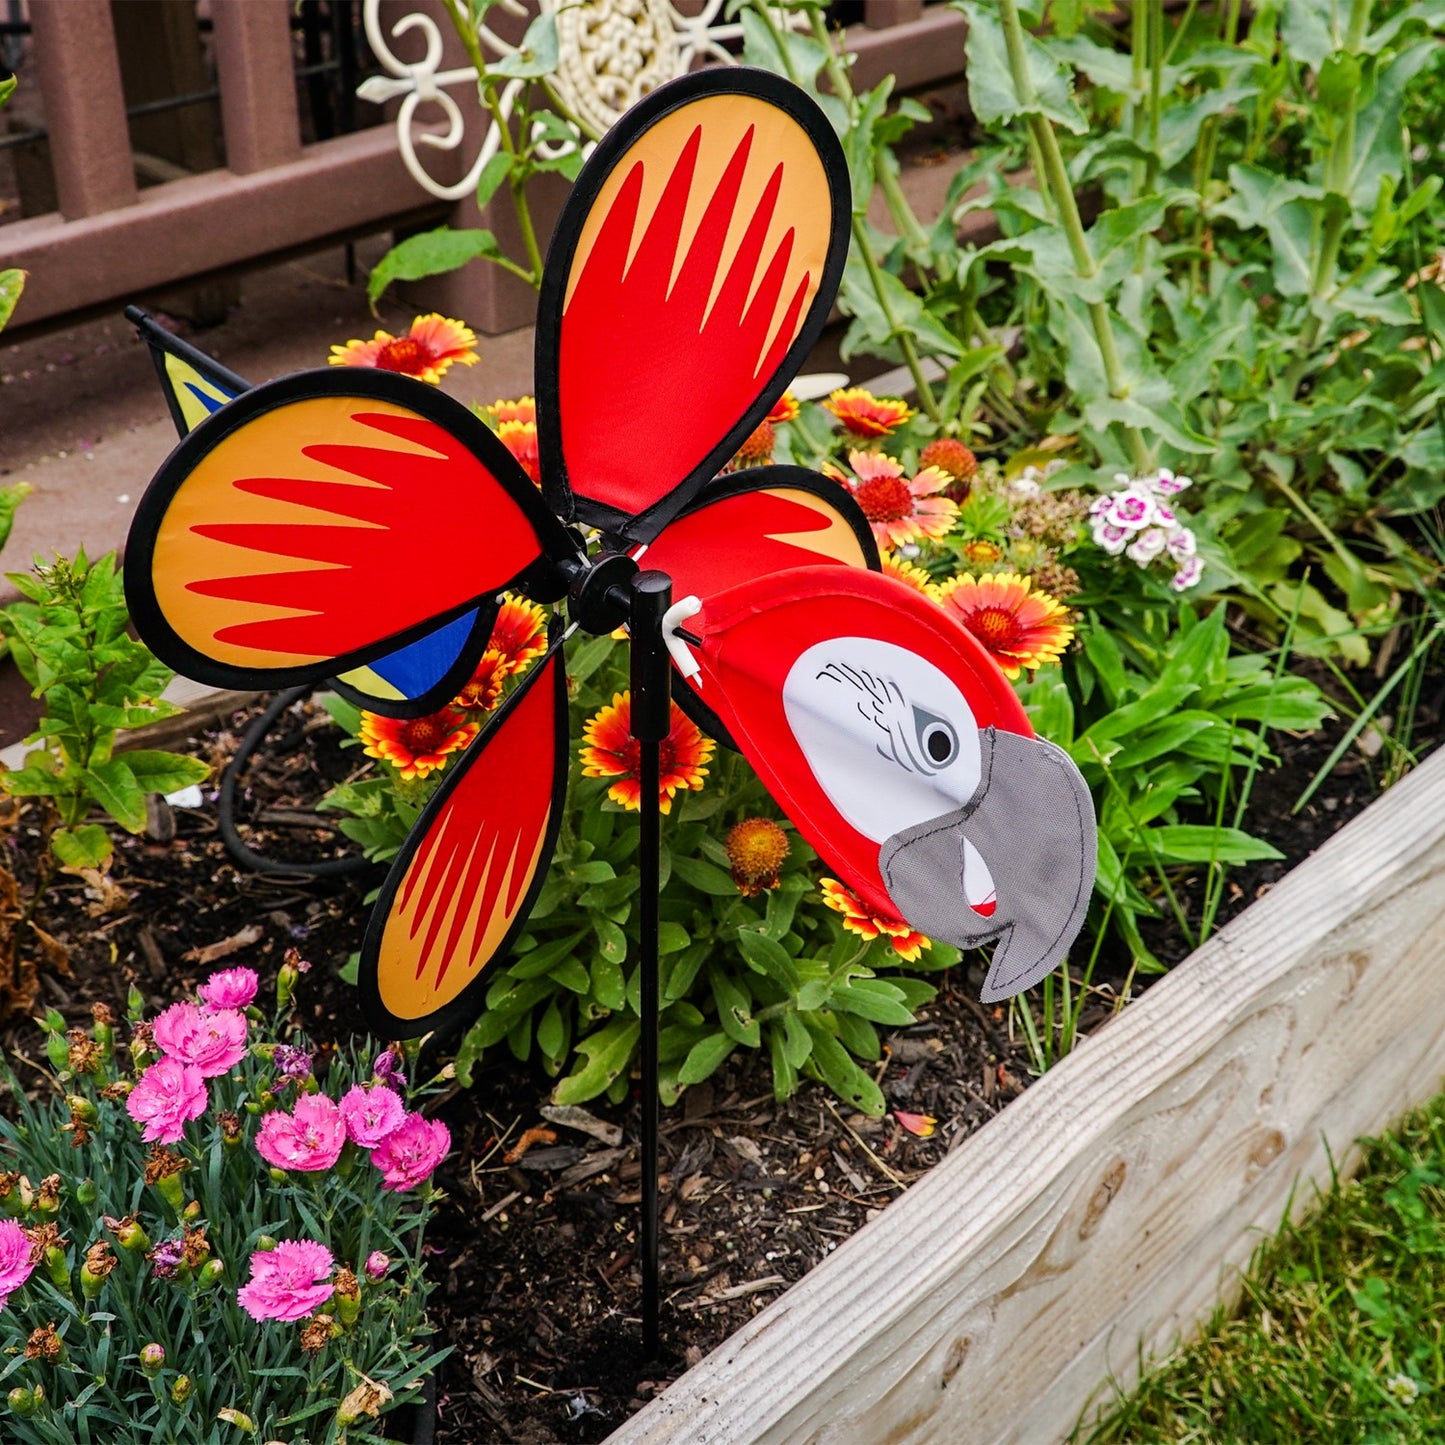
<point>292,967</point>
<point>192,1210</point>
<point>347,1295</point>
<point>278,1176</point>
<point>152,1357</point>
<point>213,1272</point>
<point>236,1418</point>
<point>57,1050</point>
<point>99,1261</point>
<point>128,1233</point>
<point>377,1264</point>
<point>26,1403</point>
<point>134,1003</point>
<point>172,1191</point>
<point>104,1029</point>
<point>181,1390</point>
<point>266,1243</point>
<point>56,1267</point>
<point>86,1193</point>
<point>47,1197</point>
<point>82,1108</point>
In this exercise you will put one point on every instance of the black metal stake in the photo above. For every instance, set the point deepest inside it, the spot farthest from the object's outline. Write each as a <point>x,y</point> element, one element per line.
<point>651,722</point>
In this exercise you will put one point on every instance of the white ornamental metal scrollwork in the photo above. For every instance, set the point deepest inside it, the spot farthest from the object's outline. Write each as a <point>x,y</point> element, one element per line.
<point>610,54</point>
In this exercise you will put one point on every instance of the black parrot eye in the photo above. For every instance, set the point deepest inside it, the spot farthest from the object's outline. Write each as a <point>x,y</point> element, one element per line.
<point>936,737</point>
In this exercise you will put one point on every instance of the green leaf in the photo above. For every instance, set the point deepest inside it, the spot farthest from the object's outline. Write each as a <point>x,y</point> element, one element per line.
<point>493,174</point>
<point>7,88</point>
<point>836,1068</point>
<point>430,254</point>
<point>872,998</point>
<point>1200,843</point>
<point>991,89</point>
<point>160,772</point>
<point>734,1009</point>
<point>705,877</point>
<point>12,283</point>
<point>85,847</point>
<point>704,1058</point>
<point>608,1053</point>
<point>538,54</point>
<point>769,957</point>
<point>114,787</point>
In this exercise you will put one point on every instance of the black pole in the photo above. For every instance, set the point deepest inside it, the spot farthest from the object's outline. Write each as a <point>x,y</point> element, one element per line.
<point>651,722</point>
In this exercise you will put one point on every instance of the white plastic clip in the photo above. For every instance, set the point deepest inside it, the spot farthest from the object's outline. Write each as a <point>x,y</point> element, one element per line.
<point>677,649</point>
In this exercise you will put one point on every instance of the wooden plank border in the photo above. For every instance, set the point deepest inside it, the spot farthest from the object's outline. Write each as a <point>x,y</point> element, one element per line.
<point>1106,1211</point>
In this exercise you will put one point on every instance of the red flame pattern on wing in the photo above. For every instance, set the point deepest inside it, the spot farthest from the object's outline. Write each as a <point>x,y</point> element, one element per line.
<point>399,564</point>
<point>695,370</point>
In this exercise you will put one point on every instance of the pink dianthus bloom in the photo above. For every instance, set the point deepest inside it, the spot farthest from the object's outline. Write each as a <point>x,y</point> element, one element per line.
<point>308,1139</point>
<point>288,1282</point>
<point>230,988</point>
<point>214,1040</point>
<point>371,1114</point>
<point>411,1151</point>
<point>15,1262</point>
<point>165,1096</point>
<point>377,1264</point>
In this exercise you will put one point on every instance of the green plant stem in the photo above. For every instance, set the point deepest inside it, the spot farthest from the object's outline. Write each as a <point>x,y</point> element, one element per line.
<point>1057,176</point>
<point>839,79</point>
<point>520,173</point>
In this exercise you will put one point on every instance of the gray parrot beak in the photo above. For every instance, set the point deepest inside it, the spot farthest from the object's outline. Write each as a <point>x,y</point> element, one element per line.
<point>1032,821</point>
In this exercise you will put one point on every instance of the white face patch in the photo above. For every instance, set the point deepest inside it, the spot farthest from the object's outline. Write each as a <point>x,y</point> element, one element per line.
<point>888,736</point>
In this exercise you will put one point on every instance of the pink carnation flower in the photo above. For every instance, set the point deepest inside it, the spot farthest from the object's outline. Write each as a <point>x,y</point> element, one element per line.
<point>166,1095</point>
<point>411,1151</point>
<point>308,1139</point>
<point>371,1114</point>
<point>288,1282</point>
<point>213,1040</point>
<point>15,1265</point>
<point>230,988</point>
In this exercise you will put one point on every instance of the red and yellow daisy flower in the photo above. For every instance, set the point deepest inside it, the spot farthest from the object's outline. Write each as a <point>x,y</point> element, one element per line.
<point>519,633</point>
<point>520,438</point>
<point>785,408</point>
<point>416,746</point>
<point>483,690</point>
<point>858,918</point>
<point>757,849</point>
<point>610,751</point>
<point>1018,627</point>
<point>980,552</point>
<point>865,415</point>
<point>902,571</point>
<point>899,510</point>
<point>425,352</point>
<point>523,409</point>
<point>757,448</point>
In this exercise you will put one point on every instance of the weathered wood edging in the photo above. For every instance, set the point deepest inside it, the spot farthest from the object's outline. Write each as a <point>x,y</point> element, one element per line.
<point>1108,1208</point>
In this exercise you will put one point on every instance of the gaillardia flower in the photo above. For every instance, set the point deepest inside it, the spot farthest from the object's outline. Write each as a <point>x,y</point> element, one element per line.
<point>757,848</point>
<point>785,408</point>
<point>425,352</point>
<point>415,746</point>
<point>904,571</point>
<point>519,633</point>
<point>520,438</point>
<point>610,751</point>
<point>899,511</point>
<point>1019,628</point>
<point>858,918</point>
<point>865,415</point>
<point>483,690</point>
<point>523,409</point>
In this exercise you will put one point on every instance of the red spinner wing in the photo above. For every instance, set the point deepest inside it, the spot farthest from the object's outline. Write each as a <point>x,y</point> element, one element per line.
<point>690,273</point>
<point>295,534</point>
<point>464,883</point>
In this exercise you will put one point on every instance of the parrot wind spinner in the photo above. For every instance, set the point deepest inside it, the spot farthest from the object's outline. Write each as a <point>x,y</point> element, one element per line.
<point>361,525</point>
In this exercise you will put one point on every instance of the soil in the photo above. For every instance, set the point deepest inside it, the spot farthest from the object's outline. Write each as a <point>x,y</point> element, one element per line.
<point>533,1253</point>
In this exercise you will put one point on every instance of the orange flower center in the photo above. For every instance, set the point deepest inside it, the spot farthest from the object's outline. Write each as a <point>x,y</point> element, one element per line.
<point>403,354</point>
<point>996,627</point>
<point>756,848</point>
<point>884,499</point>
<point>422,735</point>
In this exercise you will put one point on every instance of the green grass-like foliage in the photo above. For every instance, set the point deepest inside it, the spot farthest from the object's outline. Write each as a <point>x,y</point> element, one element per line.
<point>217,1358</point>
<point>1339,1333</point>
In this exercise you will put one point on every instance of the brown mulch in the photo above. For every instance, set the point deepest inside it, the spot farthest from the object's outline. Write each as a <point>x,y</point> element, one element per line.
<point>534,1251</point>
